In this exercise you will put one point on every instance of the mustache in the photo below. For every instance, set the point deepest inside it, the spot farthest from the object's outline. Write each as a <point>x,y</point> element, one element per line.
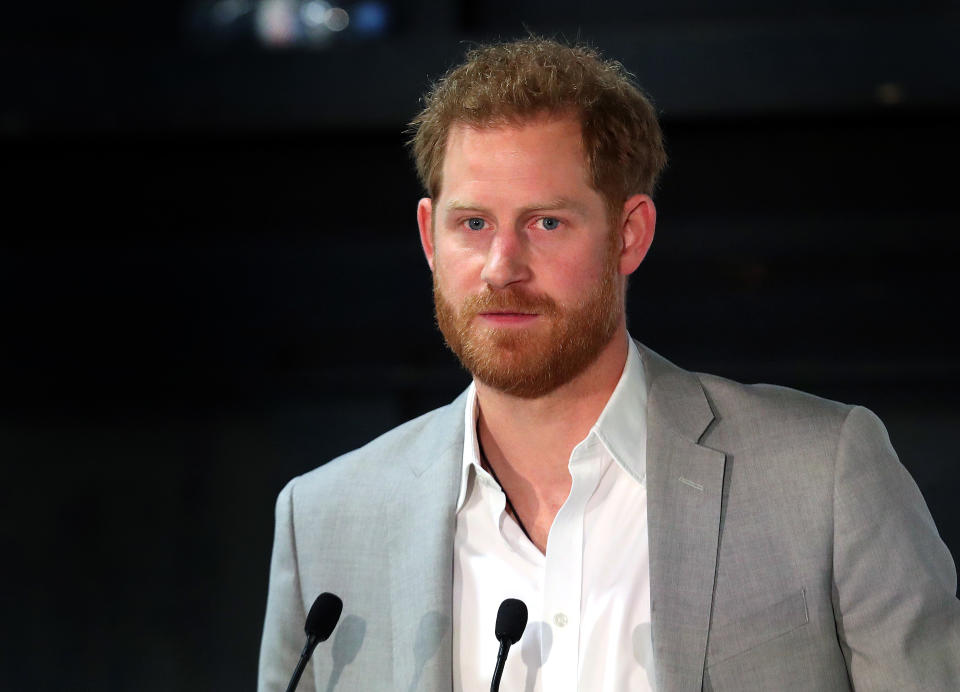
<point>509,299</point>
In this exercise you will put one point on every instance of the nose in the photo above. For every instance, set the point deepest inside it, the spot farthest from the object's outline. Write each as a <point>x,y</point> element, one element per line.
<point>506,261</point>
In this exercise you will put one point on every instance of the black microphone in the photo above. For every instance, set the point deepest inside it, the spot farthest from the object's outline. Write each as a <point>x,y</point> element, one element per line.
<point>511,621</point>
<point>321,620</point>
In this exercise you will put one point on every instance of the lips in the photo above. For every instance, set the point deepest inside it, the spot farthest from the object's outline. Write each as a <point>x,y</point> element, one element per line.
<point>506,319</point>
<point>505,308</point>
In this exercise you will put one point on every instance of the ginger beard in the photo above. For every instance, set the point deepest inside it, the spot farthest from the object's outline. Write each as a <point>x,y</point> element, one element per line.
<point>534,361</point>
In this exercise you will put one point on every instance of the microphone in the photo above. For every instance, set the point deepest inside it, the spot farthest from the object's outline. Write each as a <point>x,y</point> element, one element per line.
<point>511,621</point>
<point>321,620</point>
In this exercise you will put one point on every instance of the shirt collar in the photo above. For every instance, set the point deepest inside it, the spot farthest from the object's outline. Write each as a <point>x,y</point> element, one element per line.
<point>471,450</point>
<point>621,427</point>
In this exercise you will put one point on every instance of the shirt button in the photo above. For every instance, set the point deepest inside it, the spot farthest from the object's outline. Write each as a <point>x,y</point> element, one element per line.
<point>560,620</point>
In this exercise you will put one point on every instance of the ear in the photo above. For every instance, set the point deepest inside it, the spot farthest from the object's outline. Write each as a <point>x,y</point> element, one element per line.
<point>636,229</point>
<point>424,221</point>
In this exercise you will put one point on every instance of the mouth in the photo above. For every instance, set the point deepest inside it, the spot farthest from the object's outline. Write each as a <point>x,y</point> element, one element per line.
<point>507,319</point>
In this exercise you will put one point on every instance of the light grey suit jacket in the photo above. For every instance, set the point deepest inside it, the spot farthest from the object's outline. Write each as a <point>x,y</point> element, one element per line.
<point>789,550</point>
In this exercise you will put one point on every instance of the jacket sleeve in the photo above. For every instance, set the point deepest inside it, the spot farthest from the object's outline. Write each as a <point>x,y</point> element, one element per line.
<point>283,635</point>
<point>894,581</point>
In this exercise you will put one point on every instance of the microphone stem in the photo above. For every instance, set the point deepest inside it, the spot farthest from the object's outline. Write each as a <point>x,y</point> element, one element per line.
<point>302,663</point>
<point>501,661</point>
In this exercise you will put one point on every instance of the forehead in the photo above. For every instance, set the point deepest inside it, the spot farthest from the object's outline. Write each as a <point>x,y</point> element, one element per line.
<point>544,151</point>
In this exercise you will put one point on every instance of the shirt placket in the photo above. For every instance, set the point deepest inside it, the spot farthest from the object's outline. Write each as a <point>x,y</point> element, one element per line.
<point>563,575</point>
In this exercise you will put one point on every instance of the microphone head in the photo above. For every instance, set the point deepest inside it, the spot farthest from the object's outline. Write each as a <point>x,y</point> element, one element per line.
<point>323,616</point>
<point>511,620</point>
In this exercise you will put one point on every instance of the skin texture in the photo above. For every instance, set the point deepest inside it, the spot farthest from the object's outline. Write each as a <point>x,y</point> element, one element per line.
<point>529,280</point>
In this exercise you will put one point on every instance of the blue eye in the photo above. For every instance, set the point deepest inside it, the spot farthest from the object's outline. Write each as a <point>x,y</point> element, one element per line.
<point>549,223</point>
<point>476,224</point>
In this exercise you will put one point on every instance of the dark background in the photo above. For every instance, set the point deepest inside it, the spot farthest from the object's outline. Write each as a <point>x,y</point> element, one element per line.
<point>211,279</point>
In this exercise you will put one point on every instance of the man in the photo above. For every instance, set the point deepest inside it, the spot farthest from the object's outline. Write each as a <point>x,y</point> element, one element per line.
<point>667,530</point>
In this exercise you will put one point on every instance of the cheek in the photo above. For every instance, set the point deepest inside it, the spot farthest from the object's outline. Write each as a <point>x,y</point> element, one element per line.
<point>457,265</point>
<point>452,280</point>
<point>582,270</point>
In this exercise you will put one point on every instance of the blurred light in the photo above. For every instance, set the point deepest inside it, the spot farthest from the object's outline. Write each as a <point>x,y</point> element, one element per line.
<point>889,93</point>
<point>228,11</point>
<point>337,19</point>
<point>370,17</point>
<point>276,22</point>
<point>314,12</point>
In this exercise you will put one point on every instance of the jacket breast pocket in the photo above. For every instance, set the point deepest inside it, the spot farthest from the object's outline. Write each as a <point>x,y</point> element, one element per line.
<point>733,637</point>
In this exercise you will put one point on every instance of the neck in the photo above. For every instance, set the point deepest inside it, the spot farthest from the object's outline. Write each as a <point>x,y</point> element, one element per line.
<point>528,442</point>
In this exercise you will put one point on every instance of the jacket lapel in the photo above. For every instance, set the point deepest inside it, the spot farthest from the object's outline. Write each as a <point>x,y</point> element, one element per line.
<point>421,557</point>
<point>684,490</point>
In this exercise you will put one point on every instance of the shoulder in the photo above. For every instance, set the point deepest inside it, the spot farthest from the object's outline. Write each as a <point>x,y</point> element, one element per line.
<point>805,439</point>
<point>780,419</point>
<point>736,413</point>
<point>767,402</point>
<point>386,459</point>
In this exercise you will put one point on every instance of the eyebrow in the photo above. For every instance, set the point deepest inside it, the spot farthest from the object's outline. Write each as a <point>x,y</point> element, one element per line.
<point>558,203</point>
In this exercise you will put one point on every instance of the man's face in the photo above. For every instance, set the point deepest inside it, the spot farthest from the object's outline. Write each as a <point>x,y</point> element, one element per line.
<point>527,283</point>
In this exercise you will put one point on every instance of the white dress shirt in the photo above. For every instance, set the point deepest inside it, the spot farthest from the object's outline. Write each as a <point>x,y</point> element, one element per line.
<point>588,597</point>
